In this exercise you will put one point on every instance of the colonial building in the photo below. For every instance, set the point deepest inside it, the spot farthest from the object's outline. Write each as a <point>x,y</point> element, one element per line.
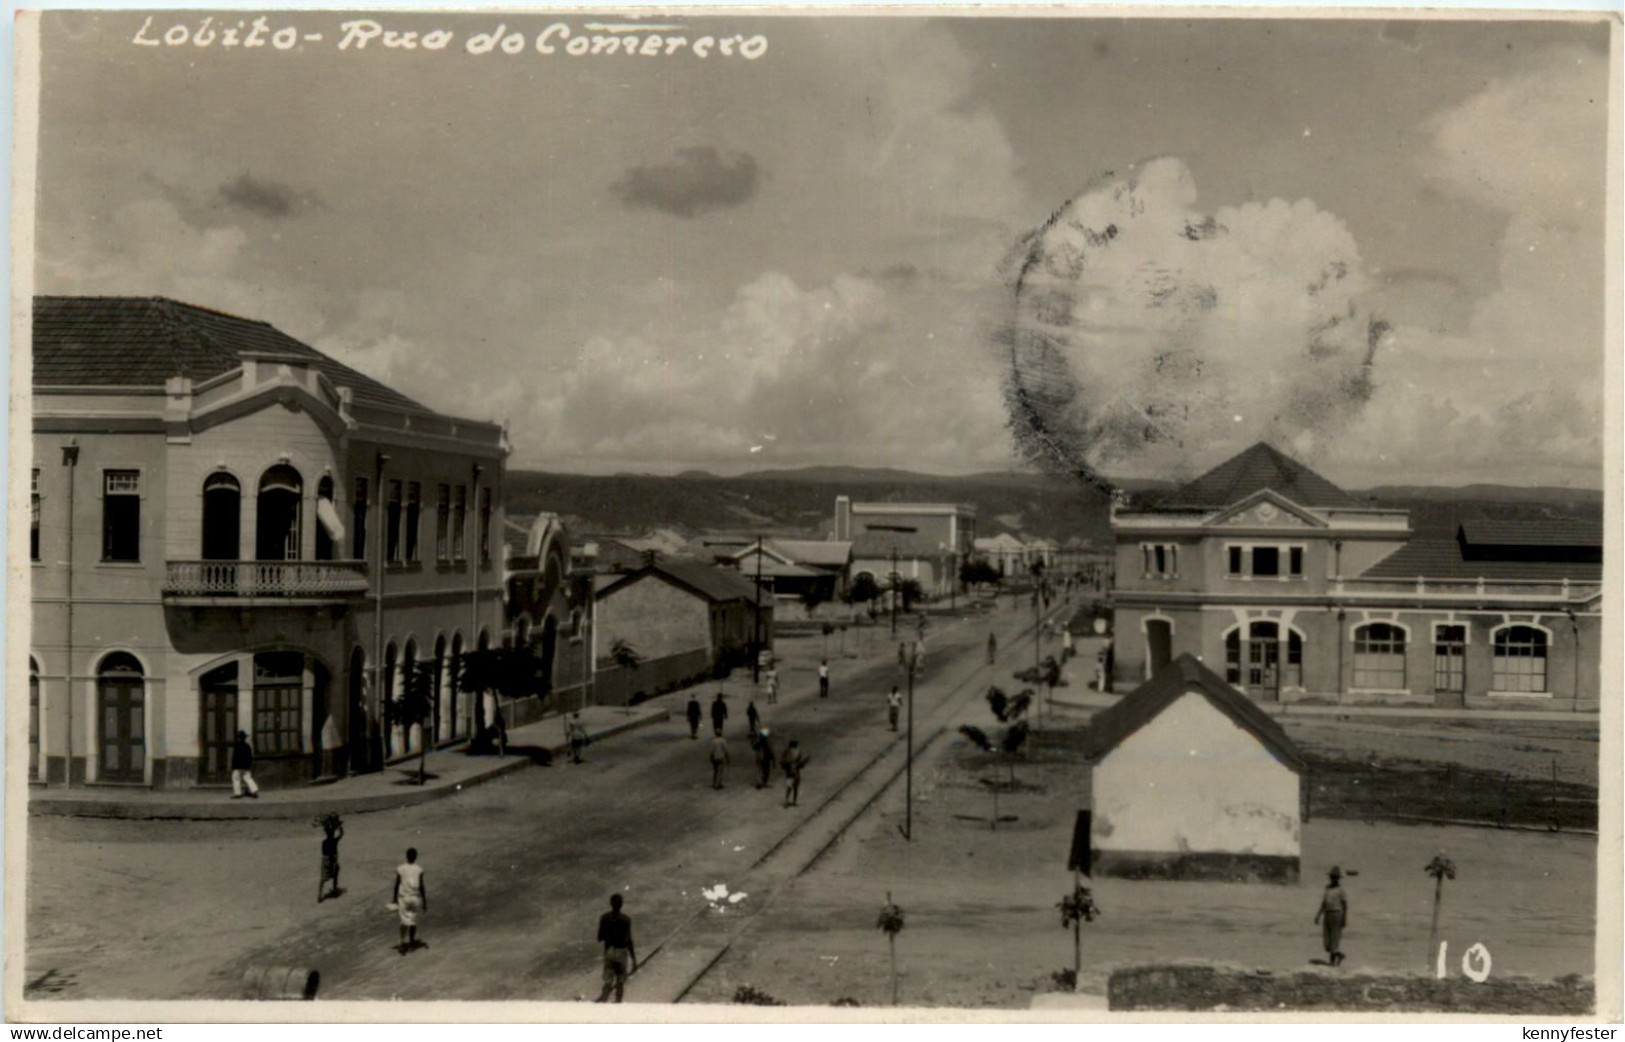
<point>925,542</point>
<point>1298,591</point>
<point>233,531</point>
<point>682,619</point>
<point>1188,779</point>
<point>549,609</point>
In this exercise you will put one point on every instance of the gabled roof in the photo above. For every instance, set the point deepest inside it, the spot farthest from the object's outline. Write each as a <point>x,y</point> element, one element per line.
<point>1260,467</point>
<point>1558,532</point>
<point>714,584</point>
<point>1184,675</point>
<point>143,341</point>
<point>823,553</point>
<point>1449,559</point>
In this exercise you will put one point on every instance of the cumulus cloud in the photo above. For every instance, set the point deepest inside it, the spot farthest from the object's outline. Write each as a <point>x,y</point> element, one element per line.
<point>1145,331</point>
<point>698,180</point>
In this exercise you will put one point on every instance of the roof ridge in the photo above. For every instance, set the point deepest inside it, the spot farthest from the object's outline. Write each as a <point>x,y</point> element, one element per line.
<point>178,327</point>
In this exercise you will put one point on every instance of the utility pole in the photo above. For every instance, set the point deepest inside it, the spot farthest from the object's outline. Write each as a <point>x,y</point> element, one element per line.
<point>70,459</point>
<point>908,768</point>
<point>896,581</point>
<point>756,631</point>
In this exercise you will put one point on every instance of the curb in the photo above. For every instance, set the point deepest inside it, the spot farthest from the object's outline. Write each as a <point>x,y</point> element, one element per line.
<point>410,796</point>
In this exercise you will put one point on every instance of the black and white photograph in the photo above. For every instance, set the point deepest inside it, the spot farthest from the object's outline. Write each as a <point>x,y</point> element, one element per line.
<point>820,515</point>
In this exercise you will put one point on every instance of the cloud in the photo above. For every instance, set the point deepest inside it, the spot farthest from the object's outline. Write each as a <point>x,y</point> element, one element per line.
<point>697,181</point>
<point>262,197</point>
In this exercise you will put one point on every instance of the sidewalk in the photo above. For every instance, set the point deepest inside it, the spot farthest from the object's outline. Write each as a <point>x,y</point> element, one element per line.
<point>449,772</point>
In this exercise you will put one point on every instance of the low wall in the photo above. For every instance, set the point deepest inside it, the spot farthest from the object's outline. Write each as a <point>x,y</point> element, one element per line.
<point>1233,988</point>
<point>613,687</point>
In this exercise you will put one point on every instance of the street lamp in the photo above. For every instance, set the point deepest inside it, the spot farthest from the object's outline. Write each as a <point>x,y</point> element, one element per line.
<point>908,768</point>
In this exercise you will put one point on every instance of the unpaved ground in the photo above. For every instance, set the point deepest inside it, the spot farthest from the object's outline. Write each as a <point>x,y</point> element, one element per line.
<point>983,929</point>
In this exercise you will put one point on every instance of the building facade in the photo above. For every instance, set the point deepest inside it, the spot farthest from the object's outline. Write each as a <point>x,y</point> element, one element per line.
<point>232,531</point>
<point>1188,779</point>
<point>1295,590</point>
<point>549,610</point>
<point>925,542</point>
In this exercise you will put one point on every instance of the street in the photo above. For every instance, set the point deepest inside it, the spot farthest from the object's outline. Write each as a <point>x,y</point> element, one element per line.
<point>517,870</point>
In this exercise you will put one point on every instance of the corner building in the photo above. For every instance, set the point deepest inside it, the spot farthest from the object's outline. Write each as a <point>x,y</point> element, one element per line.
<point>232,531</point>
<point>1293,590</point>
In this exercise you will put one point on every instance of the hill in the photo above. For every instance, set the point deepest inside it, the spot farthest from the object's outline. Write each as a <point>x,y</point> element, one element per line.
<point>802,502</point>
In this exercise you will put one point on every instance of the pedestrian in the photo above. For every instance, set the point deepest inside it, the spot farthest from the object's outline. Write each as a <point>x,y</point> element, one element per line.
<point>1333,916</point>
<point>499,728</point>
<point>411,900</point>
<point>719,713</point>
<point>764,758</point>
<point>578,738</point>
<point>753,719</point>
<point>719,758</point>
<point>488,706</point>
<point>770,683</point>
<point>1066,642</point>
<point>894,705</point>
<point>902,654</point>
<point>823,678</point>
<point>333,831</point>
<point>242,768</point>
<point>695,713</point>
<point>992,648</point>
<point>793,761</point>
<point>620,958</point>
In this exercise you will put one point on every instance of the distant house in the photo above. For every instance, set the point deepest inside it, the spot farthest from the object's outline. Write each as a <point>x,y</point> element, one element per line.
<point>1189,779</point>
<point>1004,552</point>
<point>682,618</point>
<point>925,542</point>
<point>791,569</point>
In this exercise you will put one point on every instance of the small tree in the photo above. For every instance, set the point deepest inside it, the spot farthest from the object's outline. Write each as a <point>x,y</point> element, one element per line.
<point>507,672</point>
<point>977,571</point>
<point>828,630</point>
<point>910,590</point>
<point>891,921</point>
<point>1440,868</point>
<point>416,706</point>
<point>864,591</point>
<point>813,596</point>
<point>1077,908</point>
<point>625,656</point>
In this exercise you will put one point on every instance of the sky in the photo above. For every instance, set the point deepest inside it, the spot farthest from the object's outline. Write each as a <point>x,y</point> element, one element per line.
<point>1377,244</point>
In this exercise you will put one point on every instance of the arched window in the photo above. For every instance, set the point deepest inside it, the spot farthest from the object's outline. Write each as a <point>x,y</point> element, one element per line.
<point>1256,661</point>
<point>1519,659</point>
<point>277,529</point>
<point>217,722</point>
<point>454,720</point>
<point>222,517</point>
<point>1379,657</point>
<point>329,531</point>
<point>355,710</point>
<point>549,651</point>
<point>33,719</point>
<point>121,718</point>
<point>437,722</point>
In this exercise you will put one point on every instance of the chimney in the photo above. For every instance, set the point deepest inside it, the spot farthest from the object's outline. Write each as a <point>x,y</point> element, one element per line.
<point>843,518</point>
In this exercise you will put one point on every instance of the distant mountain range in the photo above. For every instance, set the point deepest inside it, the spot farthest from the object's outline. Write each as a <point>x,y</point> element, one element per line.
<point>802,501</point>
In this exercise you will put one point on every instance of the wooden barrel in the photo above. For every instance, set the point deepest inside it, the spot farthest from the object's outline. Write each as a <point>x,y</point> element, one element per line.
<point>281,983</point>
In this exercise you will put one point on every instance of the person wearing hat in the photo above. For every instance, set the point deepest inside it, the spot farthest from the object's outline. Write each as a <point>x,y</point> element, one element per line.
<point>242,768</point>
<point>1333,916</point>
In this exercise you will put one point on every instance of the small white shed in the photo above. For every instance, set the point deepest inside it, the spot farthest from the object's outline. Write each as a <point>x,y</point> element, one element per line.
<point>1189,779</point>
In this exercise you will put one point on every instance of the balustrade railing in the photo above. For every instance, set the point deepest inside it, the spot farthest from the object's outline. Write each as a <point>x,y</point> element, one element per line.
<point>264,578</point>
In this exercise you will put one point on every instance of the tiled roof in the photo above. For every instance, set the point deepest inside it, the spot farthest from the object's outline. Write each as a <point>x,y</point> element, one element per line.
<point>709,581</point>
<point>143,341</point>
<point>1443,559</point>
<point>1110,727</point>
<point>516,534</point>
<point>1553,533</point>
<point>825,553</point>
<point>1260,467</point>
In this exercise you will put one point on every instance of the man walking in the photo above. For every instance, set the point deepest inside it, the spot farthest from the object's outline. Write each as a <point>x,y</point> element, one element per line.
<point>578,738</point>
<point>793,760</point>
<point>1333,916</point>
<point>411,900</point>
<point>823,678</point>
<point>719,758</point>
<point>894,705</point>
<point>764,757</point>
<point>992,648</point>
<point>770,682</point>
<point>242,768</point>
<point>719,713</point>
<point>753,719</point>
<point>695,714</point>
<point>620,958</point>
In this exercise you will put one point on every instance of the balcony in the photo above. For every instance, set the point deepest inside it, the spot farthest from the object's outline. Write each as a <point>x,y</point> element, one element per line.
<point>277,581</point>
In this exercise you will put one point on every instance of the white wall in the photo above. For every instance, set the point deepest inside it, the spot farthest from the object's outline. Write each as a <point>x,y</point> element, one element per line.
<point>1191,780</point>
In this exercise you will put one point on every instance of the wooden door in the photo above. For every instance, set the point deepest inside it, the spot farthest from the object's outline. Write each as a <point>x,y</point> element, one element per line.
<point>123,729</point>
<point>219,722</point>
